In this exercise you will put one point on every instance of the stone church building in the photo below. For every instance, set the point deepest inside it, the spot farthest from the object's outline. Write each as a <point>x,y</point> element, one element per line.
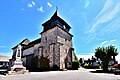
<point>55,44</point>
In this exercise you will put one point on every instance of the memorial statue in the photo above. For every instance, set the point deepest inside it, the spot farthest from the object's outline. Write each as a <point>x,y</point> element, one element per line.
<point>18,52</point>
<point>18,64</point>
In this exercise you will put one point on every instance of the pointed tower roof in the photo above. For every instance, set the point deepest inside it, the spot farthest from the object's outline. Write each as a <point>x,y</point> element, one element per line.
<point>56,16</point>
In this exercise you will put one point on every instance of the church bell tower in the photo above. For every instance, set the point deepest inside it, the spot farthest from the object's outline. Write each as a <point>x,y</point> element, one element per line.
<point>56,41</point>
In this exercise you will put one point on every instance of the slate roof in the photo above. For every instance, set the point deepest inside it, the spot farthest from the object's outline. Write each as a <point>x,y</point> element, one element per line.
<point>21,43</point>
<point>53,18</point>
<point>31,44</point>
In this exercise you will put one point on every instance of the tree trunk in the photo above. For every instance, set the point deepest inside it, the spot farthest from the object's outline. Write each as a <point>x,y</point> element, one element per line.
<point>105,66</point>
<point>113,58</point>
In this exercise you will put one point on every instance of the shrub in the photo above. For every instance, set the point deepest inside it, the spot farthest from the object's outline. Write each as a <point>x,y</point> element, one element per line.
<point>34,62</point>
<point>55,67</point>
<point>86,65</point>
<point>75,65</point>
<point>41,63</point>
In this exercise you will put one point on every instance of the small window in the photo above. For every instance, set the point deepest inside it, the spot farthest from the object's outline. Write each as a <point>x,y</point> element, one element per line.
<point>64,26</point>
<point>65,39</point>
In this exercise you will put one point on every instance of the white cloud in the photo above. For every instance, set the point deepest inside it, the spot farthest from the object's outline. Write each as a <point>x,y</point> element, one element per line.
<point>107,16</point>
<point>113,40</point>
<point>109,11</point>
<point>33,3</point>
<point>49,4</point>
<point>90,37</point>
<point>112,26</point>
<point>2,46</point>
<point>103,42</point>
<point>30,5</point>
<point>108,41</point>
<point>40,9</point>
<point>86,3</point>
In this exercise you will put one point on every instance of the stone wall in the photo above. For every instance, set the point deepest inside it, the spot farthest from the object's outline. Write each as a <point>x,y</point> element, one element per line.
<point>49,43</point>
<point>56,44</point>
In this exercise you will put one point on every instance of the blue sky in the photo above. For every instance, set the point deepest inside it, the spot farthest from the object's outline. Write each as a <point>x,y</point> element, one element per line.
<point>94,22</point>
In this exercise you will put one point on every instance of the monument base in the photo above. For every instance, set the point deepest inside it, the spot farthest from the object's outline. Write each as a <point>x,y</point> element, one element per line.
<point>18,68</point>
<point>18,72</point>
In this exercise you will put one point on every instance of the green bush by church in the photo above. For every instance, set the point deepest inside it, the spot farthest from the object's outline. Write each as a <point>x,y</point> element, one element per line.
<point>75,65</point>
<point>41,63</point>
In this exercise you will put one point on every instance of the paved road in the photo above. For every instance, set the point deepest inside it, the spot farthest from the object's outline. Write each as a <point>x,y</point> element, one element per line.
<point>62,75</point>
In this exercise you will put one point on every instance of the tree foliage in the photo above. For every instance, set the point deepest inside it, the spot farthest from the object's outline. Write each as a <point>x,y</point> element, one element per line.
<point>105,54</point>
<point>34,62</point>
<point>41,63</point>
<point>44,63</point>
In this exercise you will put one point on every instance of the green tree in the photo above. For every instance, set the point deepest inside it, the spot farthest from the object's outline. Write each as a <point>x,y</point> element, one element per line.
<point>112,51</point>
<point>105,55</point>
<point>34,62</point>
<point>41,63</point>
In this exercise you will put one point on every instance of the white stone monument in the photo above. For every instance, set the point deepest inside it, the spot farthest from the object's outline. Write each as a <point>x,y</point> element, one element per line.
<point>18,64</point>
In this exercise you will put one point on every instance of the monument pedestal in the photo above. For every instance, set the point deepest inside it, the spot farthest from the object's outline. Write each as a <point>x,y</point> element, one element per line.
<point>18,67</point>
